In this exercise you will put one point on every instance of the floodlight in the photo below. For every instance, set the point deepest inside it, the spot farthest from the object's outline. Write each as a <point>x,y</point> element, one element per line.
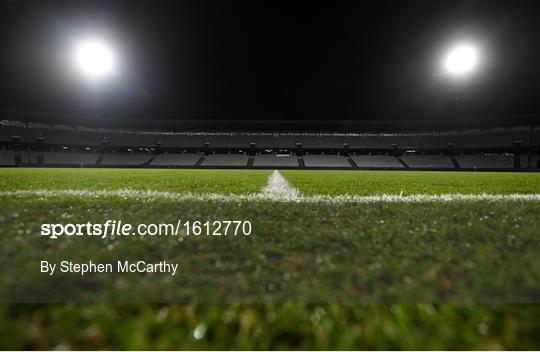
<point>95,58</point>
<point>461,60</point>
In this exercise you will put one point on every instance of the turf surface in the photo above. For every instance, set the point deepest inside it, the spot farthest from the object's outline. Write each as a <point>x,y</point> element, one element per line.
<point>309,182</point>
<point>282,327</point>
<point>333,182</point>
<point>174,180</point>
<point>397,259</point>
<point>452,252</point>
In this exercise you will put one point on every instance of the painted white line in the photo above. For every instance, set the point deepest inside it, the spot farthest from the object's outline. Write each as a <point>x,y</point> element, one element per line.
<point>278,188</point>
<point>255,197</point>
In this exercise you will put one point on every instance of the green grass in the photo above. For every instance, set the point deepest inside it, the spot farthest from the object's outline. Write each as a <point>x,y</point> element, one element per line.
<point>181,181</point>
<point>288,326</point>
<point>309,182</point>
<point>454,252</point>
<point>333,182</point>
<point>327,276</point>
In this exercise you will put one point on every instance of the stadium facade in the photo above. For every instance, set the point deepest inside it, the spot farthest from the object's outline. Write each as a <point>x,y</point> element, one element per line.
<point>35,139</point>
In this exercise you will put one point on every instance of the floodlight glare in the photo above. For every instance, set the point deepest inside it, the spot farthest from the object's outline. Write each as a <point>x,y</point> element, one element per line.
<point>95,58</point>
<point>461,60</point>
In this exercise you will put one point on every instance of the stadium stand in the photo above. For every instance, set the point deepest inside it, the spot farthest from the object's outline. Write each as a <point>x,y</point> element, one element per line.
<point>485,161</point>
<point>145,140</point>
<point>225,160</point>
<point>70,158</point>
<point>7,157</point>
<point>128,159</point>
<point>335,142</point>
<point>471,138</point>
<point>266,140</point>
<point>266,160</point>
<point>219,141</point>
<point>170,140</point>
<point>428,161</point>
<point>196,141</point>
<point>481,145</point>
<point>292,141</point>
<point>440,141</point>
<point>527,161</point>
<point>10,129</point>
<point>85,138</point>
<point>377,161</point>
<point>242,140</point>
<point>326,161</point>
<point>311,141</point>
<point>535,162</point>
<point>175,159</point>
<point>30,157</point>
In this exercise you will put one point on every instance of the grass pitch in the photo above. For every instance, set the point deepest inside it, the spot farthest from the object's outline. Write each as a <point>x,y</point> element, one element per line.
<point>380,275</point>
<point>332,182</point>
<point>178,181</point>
<point>312,182</point>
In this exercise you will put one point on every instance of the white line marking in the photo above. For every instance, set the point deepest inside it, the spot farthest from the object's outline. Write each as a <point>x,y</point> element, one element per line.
<point>255,197</point>
<point>278,188</point>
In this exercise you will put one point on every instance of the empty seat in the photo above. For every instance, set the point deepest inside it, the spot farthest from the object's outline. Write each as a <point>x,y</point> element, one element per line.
<point>172,140</point>
<point>120,139</point>
<point>70,158</point>
<point>241,141</point>
<point>196,141</point>
<point>265,141</point>
<point>219,141</point>
<point>336,141</point>
<point>33,155</point>
<point>527,161</point>
<point>311,141</point>
<point>7,157</point>
<point>86,138</point>
<point>287,142</point>
<point>225,160</point>
<point>485,161</point>
<point>176,159</point>
<point>6,132</point>
<point>435,161</point>
<point>275,160</point>
<point>435,141</point>
<point>326,161</point>
<point>125,159</point>
<point>377,161</point>
<point>535,162</point>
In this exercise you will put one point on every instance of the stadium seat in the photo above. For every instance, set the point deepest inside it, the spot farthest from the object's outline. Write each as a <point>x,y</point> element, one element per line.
<point>175,159</point>
<point>7,157</point>
<point>225,160</point>
<point>428,161</point>
<point>70,158</point>
<point>326,161</point>
<point>485,161</point>
<point>130,159</point>
<point>377,161</point>
<point>275,160</point>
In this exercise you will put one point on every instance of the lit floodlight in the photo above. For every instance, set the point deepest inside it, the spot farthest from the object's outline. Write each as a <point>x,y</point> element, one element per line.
<point>95,58</point>
<point>461,60</point>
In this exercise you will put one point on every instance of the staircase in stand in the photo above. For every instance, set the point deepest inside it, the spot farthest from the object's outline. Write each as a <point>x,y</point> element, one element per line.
<point>201,159</point>
<point>301,163</point>
<point>250,161</point>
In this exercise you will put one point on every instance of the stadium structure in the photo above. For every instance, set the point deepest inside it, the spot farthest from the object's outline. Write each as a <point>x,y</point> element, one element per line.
<point>36,139</point>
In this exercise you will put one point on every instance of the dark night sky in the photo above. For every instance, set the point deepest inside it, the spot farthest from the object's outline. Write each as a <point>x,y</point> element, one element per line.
<point>369,60</point>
